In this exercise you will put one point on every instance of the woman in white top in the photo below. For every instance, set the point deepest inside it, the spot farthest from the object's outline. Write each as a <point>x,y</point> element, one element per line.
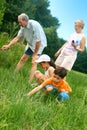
<point>67,54</point>
<point>48,65</point>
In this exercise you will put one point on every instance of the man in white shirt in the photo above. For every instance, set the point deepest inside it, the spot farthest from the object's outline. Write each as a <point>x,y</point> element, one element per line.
<point>33,33</point>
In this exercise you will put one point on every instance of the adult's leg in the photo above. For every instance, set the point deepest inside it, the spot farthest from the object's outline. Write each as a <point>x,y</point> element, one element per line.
<point>21,62</point>
<point>33,67</point>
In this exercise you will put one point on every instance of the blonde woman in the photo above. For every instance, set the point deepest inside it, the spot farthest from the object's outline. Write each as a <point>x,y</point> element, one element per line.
<point>67,54</point>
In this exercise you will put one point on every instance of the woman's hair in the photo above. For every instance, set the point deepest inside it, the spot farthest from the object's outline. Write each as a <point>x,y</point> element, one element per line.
<point>60,71</point>
<point>81,22</point>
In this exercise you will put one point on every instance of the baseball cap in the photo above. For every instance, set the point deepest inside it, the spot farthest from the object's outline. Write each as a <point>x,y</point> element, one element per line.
<point>43,58</point>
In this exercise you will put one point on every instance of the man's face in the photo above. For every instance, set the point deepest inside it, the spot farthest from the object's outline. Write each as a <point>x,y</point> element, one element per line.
<point>22,23</point>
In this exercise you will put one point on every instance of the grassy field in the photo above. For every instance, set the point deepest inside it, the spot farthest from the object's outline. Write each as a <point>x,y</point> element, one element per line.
<point>38,112</point>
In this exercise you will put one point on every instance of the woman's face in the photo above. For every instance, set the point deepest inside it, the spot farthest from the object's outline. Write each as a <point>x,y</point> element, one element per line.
<point>78,27</point>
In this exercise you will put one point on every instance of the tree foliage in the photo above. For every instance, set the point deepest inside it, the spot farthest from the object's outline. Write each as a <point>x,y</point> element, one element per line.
<point>43,14</point>
<point>36,9</point>
<point>54,43</point>
<point>81,62</point>
<point>2,9</point>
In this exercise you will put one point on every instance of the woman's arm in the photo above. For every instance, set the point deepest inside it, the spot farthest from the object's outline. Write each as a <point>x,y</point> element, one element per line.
<point>59,51</point>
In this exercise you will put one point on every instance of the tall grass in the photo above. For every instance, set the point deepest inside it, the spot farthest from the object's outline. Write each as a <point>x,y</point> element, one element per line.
<point>38,112</point>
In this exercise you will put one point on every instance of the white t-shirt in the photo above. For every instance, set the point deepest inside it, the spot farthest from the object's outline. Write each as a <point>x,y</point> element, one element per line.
<point>47,71</point>
<point>33,33</point>
<point>77,37</point>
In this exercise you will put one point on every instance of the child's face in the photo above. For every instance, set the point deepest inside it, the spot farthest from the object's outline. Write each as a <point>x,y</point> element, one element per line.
<point>43,65</point>
<point>56,78</point>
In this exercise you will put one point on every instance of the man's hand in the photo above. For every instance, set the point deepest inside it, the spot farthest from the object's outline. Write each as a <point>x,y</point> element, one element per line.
<point>34,57</point>
<point>5,47</point>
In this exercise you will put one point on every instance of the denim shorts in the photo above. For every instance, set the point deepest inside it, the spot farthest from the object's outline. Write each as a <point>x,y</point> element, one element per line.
<point>53,87</point>
<point>61,96</point>
<point>30,52</point>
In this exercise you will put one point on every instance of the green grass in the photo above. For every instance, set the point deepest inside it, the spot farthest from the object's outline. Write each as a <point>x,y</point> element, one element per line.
<point>38,112</point>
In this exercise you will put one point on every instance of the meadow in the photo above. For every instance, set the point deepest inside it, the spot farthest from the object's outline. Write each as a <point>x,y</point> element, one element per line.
<point>38,112</point>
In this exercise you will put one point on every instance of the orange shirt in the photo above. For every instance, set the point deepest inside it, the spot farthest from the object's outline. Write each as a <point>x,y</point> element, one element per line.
<point>62,84</point>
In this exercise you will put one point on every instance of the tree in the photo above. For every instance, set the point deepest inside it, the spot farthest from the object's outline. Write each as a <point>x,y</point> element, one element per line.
<point>13,8</point>
<point>43,14</point>
<point>81,62</point>
<point>2,10</point>
<point>54,43</point>
<point>36,9</point>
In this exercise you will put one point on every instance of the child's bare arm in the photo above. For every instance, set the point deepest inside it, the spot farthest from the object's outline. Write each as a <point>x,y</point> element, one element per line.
<point>34,90</point>
<point>51,72</point>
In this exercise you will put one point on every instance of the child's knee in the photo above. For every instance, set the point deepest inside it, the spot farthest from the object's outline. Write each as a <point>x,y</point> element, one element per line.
<point>62,96</point>
<point>49,88</point>
<point>36,73</point>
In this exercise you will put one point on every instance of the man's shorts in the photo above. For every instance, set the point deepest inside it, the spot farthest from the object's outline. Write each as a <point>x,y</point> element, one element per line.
<point>30,52</point>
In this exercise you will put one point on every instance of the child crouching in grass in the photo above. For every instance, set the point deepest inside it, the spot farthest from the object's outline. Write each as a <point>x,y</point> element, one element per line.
<point>55,83</point>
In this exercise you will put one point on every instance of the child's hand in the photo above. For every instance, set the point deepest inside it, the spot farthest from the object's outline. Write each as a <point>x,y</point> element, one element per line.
<point>28,94</point>
<point>63,90</point>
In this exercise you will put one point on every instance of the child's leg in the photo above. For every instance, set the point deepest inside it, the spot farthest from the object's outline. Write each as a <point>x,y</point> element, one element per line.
<point>50,88</point>
<point>62,96</point>
<point>39,77</point>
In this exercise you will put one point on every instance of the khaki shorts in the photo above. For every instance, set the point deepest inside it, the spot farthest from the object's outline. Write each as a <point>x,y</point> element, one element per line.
<point>66,61</point>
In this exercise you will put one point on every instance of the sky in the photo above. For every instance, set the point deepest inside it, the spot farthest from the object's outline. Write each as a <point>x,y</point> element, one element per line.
<point>67,12</point>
